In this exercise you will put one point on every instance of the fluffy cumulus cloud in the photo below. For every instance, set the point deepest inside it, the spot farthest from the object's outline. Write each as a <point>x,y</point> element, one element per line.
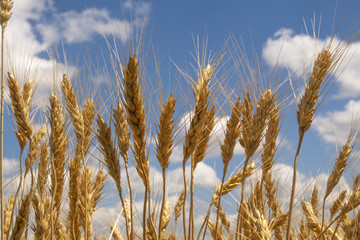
<point>37,25</point>
<point>296,52</point>
<point>336,126</point>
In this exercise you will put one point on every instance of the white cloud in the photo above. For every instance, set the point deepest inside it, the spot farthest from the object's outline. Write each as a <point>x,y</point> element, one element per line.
<point>78,27</point>
<point>296,52</point>
<point>335,126</point>
<point>36,26</point>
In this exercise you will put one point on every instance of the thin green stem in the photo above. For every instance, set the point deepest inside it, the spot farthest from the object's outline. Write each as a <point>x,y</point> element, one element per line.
<point>301,136</point>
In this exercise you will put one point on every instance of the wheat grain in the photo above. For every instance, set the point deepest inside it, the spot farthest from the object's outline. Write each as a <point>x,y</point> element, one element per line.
<point>337,203</point>
<point>5,14</point>
<point>21,221</point>
<point>165,135</point>
<point>21,111</point>
<point>8,215</point>
<point>34,151</point>
<point>306,106</point>
<point>43,169</point>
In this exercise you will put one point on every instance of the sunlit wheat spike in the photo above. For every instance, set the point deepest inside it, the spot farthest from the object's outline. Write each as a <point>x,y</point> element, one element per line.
<point>72,106</point>
<point>88,115</point>
<point>201,94</point>
<point>136,116</point>
<point>314,199</point>
<point>34,152</point>
<point>107,147</point>
<point>233,182</point>
<point>115,233</point>
<point>9,206</point>
<point>58,144</point>
<point>42,210</point>
<point>351,203</point>
<point>5,14</point>
<point>165,135</point>
<point>21,221</point>
<point>253,124</point>
<point>271,135</point>
<point>216,232</point>
<point>339,167</point>
<point>204,137</point>
<point>166,216</point>
<point>43,169</point>
<point>307,104</point>
<point>179,205</point>
<point>337,203</point>
<point>312,221</point>
<point>21,111</point>
<point>27,92</point>
<point>151,231</point>
<point>121,131</point>
<point>232,133</point>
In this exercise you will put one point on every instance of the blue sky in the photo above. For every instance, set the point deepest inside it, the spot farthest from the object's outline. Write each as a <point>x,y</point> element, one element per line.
<point>266,29</point>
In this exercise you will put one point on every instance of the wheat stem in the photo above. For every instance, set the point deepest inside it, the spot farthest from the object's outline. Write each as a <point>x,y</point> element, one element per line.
<point>301,136</point>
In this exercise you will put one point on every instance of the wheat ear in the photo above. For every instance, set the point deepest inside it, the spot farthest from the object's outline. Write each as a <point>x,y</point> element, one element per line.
<point>201,94</point>
<point>337,203</point>
<point>306,110</point>
<point>164,147</point>
<point>337,172</point>
<point>42,210</point>
<point>34,151</point>
<point>58,143</point>
<point>8,215</point>
<point>136,120</point>
<point>123,140</point>
<point>21,221</point>
<point>232,135</point>
<point>252,130</point>
<point>43,169</point>
<point>111,158</point>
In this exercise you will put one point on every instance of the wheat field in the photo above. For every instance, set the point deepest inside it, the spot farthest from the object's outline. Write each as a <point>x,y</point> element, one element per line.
<point>93,148</point>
